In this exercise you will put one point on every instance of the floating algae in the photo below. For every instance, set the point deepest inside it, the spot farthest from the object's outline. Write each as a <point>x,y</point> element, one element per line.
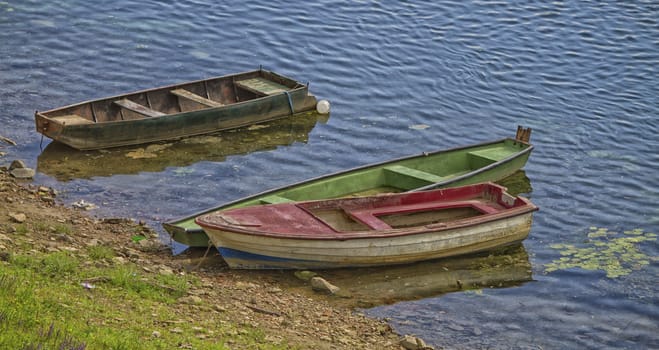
<point>150,151</point>
<point>614,253</point>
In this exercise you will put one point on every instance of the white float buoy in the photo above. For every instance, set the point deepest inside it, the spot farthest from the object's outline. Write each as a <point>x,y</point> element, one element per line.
<point>323,106</point>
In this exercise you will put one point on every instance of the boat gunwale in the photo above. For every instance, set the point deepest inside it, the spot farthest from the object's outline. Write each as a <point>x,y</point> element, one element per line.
<point>485,218</point>
<point>172,224</point>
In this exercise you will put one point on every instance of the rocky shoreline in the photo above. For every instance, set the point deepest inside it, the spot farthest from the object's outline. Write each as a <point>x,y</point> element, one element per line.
<point>237,297</point>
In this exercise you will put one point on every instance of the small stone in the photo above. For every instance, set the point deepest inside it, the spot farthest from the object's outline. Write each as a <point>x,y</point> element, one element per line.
<point>319,284</point>
<point>413,343</point>
<point>117,221</point>
<point>219,308</point>
<point>155,334</point>
<point>164,270</point>
<point>18,217</point>
<point>93,242</point>
<point>191,300</point>
<point>17,164</point>
<point>305,275</point>
<point>131,253</point>
<point>274,290</point>
<point>22,173</point>
<point>81,204</point>
<point>176,330</point>
<point>245,286</point>
<point>64,238</point>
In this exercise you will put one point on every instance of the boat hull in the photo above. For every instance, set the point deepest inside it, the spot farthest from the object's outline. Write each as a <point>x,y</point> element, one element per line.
<point>242,251</point>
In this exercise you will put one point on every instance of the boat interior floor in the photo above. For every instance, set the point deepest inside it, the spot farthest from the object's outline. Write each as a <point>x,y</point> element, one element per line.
<point>347,219</point>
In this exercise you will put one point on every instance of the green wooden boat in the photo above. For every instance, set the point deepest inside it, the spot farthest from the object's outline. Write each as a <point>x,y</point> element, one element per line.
<point>175,111</point>
<point>489,161</point>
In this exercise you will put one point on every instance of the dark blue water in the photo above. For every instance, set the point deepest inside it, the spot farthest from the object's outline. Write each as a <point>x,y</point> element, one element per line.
<point>403,77</point>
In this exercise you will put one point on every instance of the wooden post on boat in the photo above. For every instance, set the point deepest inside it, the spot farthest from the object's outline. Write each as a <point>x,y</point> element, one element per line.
<point>523,134</point>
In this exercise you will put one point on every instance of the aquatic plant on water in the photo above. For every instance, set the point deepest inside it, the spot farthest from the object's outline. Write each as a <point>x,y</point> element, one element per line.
<point>612,252</point>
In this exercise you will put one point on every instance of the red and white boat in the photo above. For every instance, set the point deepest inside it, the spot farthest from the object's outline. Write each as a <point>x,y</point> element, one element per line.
<point>366,231</point>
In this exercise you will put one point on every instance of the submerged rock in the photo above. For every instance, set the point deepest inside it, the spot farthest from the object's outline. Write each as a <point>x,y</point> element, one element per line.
<point>305,275</point>
<point>22,173</point>
<point>18,170</point>
<point>319,284</point>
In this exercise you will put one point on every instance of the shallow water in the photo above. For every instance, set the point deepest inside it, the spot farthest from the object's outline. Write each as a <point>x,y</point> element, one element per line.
<point>403,77</point>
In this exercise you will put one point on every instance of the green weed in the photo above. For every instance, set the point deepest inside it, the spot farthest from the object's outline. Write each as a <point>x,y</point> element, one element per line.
<point>41,226</point>
<point>609,251</point>
<point>22,229</point>
<point>58,264</point>
<point>99,252</point>
<point>63,229</point>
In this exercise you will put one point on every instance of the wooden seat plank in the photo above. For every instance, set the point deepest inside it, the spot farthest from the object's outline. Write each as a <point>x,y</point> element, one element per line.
<point>138,108</point>
<point>367,218</point>
<point>491,154</point>
<point>72,119</point>
<point>196,98</point>
<point>261,86</point>
<point>419,174</point>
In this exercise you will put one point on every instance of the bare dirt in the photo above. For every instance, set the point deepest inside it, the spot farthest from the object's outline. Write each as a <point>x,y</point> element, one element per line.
<point>249,299</point>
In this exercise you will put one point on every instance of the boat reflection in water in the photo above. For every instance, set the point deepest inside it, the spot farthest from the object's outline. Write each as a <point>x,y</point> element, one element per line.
<point>65,163</point>
<point>517,184</point>
<point>370,287</point>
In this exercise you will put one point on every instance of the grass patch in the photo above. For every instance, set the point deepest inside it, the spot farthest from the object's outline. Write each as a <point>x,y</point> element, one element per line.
<point>99,252</point>
<point>63,229</point>
<point>57,301</point>
<point>41,226</point>
<point>22,229</point>
<point>54,264</point>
